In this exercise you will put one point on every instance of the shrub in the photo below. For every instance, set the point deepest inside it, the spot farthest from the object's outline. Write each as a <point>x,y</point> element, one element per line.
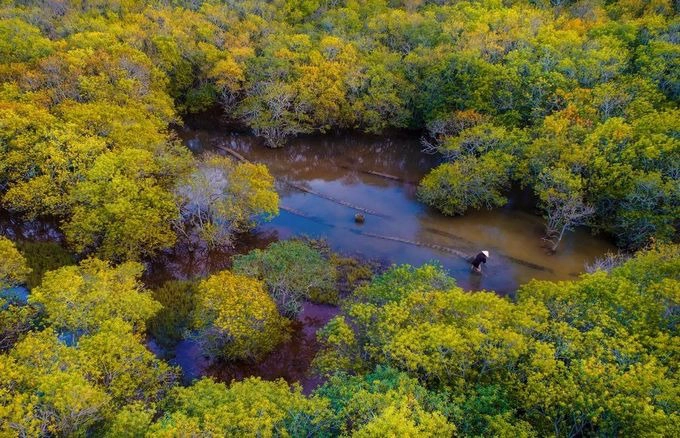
<point>470,182</point>
<point>42,257</point>
<point>235,318</point>
<point>293,271</point>
<point>170,323</point>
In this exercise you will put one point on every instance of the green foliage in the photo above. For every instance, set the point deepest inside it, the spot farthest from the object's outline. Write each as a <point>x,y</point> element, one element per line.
<point>339,348</point>
<point>561,199</point>
<point>467,183</point>
<point>132,421</point>
<point>519,368</point>
<point>169,325</point>
<point>16,319</point>
<point>351,272</point>
<point>84,137</point>
<point>660,61</point>
<point>42,257</point>
<point>80,299</point>
<point>649,211</point>
<point>116,359</point>
<point>575,100</point>
<point>590,88</point>
<point>235,318</point>
<point>50,389</point>
<point>120,209</point>
<point>292,270</point>
<point>384,403</point>
<point>400,281</point>
<point>21,42</point>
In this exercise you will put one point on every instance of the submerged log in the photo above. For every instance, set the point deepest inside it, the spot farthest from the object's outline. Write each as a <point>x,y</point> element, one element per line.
<point>360,218</point>
<point>304,189</point>
<point>380,174</point>
<point>233,153</point>
<point>384,175</point>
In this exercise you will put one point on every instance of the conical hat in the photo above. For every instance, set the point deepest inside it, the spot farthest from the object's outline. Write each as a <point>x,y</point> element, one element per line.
<point>486,253</point>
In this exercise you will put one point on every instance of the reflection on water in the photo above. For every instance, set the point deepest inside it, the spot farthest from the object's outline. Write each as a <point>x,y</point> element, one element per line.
<point>16,294</point>
<point>357,169</point>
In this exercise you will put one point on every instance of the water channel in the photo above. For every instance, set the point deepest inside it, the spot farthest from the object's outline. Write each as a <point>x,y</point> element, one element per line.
<point>323,182</point>
<point>318,177</point>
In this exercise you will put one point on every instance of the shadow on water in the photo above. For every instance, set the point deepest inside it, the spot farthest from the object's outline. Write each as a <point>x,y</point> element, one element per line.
<point>184,262</point>
<point>291,361</point>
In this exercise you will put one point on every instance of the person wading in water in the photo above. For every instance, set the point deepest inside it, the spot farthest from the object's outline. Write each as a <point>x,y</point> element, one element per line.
<point>480,258</point>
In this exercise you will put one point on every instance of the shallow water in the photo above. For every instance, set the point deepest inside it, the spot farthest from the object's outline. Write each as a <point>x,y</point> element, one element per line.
<point>16,294</point>
<point>347,169</point>
<point>317,178</point>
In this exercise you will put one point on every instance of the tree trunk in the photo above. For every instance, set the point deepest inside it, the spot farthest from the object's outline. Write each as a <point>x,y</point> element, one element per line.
<point>559,238</point>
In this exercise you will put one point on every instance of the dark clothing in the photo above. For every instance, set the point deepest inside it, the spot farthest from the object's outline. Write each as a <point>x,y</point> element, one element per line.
<point>479,259</point>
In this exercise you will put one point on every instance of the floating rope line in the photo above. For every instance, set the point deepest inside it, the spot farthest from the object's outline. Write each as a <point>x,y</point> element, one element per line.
<point>379,174</point>
<point>332,199</point>
<point>295,212</point>
<point>305,189</point>
<point>416,243</point>
<point>441,248</point>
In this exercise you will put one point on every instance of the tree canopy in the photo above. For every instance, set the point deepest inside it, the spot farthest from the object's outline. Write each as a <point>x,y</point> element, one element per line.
<point>220,198</point>
<point>593,356</point>
<point>13,266</point>
<point>79,299</point>
<point>292,271</point>
<point>589,87</point>
<point>573,100</point>
<point>236,318</point>
<point>410,354</point>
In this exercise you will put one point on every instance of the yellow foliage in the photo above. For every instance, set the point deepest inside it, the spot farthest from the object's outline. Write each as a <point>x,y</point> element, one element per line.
<point>80,299</point>
<point>13,267</point>
<point>236,318</point>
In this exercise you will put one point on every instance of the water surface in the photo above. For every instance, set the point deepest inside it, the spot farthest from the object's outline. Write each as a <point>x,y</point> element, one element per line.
<point>320,180</point>
<point>290,361</point>
<point>356,170</point>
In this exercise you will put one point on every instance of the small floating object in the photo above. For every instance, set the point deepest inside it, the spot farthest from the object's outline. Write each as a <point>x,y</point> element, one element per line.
<point>359,218</point>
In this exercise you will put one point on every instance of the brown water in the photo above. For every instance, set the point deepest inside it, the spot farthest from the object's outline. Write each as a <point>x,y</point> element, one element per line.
<point>344,169</point>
